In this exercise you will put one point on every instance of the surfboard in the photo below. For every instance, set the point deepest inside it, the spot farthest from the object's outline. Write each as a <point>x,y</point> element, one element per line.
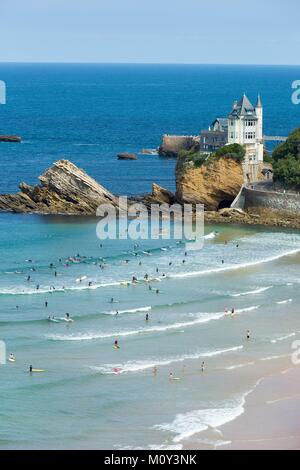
<point>81,278</point>
<point>11,360</point>
<point>116,347</point>
<point>38,370</point>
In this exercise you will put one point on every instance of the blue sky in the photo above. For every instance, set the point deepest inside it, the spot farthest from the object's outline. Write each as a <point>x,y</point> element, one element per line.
<point>152,31</point>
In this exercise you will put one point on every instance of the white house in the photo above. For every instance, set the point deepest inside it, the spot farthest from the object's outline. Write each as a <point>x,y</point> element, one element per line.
<point>245,127</point>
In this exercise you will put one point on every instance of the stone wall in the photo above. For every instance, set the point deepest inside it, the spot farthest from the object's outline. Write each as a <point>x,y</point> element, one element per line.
<point>173,144</point>
<point>285,202</point>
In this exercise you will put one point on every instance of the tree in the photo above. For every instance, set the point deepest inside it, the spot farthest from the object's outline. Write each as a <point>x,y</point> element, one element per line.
<point>286,158</point>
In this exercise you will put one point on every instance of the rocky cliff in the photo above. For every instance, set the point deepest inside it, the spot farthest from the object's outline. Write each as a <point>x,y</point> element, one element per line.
<point>63,189</point>
<point>215,184</point>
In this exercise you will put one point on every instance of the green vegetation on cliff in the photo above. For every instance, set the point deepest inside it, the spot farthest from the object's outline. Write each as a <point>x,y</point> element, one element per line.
<point>235,152</point>
<point>286,159</point>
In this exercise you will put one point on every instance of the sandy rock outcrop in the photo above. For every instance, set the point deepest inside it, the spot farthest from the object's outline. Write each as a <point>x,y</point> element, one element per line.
<point>215,185</point>
<point>64,189</point>
<point>159,195</point>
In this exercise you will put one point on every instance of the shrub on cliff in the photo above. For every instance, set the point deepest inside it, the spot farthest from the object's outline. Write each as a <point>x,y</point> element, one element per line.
<point>234,151</point>
<point>195,158</point>
<point>286,158</point>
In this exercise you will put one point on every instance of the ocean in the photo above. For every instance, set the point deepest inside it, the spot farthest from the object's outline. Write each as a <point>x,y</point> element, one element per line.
<point>91,395</point>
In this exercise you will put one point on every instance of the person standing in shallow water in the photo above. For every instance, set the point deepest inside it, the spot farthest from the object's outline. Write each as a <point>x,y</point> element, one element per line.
<point>248,335</point>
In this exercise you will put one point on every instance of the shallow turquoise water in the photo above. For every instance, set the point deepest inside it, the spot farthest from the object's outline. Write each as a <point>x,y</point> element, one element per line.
<point>88,114</point>
<point>80,401</point>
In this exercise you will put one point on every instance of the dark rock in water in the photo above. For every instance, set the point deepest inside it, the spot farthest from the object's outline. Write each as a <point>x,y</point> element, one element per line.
<point>127,156</point>
<point>10,138</point>
<point>64,189</point>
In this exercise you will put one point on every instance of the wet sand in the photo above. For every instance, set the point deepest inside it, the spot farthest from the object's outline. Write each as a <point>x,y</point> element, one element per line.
<point>271,419</point>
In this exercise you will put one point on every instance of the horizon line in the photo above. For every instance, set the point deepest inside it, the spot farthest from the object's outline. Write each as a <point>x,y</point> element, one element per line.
<point>147,63</point>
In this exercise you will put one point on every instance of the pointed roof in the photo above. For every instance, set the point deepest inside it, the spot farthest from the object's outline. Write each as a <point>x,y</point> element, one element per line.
<point>259,103</point>
<point>243,108</point>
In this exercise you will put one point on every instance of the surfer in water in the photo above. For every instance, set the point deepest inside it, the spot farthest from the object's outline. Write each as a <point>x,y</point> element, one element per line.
<point>12,357</point>
<point>147,317</point>
<point>202,366</point>
<point>116,345</point>
<point>30,369</point>
<point>46,304</point>
<point>248,335</point>
<point>68,318</point>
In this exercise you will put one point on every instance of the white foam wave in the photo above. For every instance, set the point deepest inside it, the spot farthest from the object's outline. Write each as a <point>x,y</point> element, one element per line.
<point>273,358</point>
<point>282,338</point>
<point>139,366</point>
<point>256,291</point>
<point>234,267</point>
<point>133,310</point>
<point>239,366</point>
<point>188,424</point>
<point>200,318</point>
<point>210,236</point>
<point>282,302</point>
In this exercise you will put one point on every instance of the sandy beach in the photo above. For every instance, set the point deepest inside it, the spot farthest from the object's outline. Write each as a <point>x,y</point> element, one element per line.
<point>271,420</point>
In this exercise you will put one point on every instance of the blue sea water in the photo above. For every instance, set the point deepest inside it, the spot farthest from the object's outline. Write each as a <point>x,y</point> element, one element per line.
<point>89,113</point>
<point>92,395</point>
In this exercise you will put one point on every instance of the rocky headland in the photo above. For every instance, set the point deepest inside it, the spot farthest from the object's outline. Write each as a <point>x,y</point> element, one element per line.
<point>63,189</point>
<point>215,185</point>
